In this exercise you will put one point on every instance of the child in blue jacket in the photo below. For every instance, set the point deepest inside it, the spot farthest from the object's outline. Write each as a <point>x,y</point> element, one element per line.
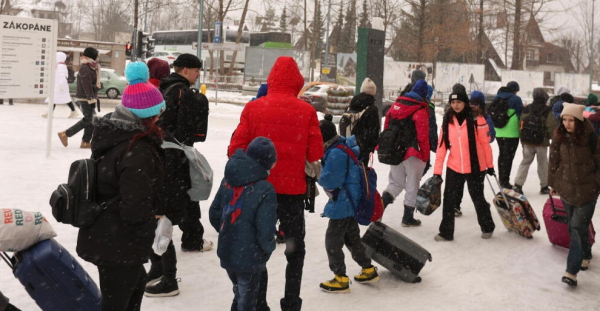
<point>244,212</point>
<point>341,181</point>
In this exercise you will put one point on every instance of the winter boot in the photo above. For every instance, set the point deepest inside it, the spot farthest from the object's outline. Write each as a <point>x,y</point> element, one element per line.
<point>206,246</point>
<point>570,279</point>
<point>457,212</point>
<point>339,284</point>
<point>585,264</point>
<point>387,199</point>
<point>545,190</point>
<point>85,145</point>
<point>409,220</point>
<point>166,287</point>
<point>367,275</point>
<point>154,275</point>
<point>518,189</point>
<point>64,139</point>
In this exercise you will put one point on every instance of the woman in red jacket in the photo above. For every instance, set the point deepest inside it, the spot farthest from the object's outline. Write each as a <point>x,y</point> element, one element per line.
<point>470,157</point>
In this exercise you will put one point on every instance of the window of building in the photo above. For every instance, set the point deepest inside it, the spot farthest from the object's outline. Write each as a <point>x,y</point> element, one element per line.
<point>530,55</point>
<point>549,58</point>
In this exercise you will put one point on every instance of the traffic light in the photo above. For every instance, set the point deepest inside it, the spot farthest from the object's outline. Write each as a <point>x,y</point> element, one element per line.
<point>150,48</point>
<point>142,44</point>
<point>128,48</point>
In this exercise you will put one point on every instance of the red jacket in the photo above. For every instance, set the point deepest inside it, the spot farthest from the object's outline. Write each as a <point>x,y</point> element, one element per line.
<point>289,122</point>
<point>459,159</point>
<point>404,107</point>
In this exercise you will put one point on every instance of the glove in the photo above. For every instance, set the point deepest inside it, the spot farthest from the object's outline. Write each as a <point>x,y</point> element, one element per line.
<point>490,171</point>
<point>437,179</point>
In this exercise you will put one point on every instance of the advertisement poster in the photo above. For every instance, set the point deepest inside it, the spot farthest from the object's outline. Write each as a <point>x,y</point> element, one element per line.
<point>27,52</point>
<point>346,69</point>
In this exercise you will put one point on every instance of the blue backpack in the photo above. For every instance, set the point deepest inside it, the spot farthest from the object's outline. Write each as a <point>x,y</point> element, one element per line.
<point>370,205</point>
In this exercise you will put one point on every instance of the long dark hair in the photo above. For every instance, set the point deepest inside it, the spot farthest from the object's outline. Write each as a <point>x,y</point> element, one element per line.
<point>471,127</point>
<point>468,113</point>
<point>579,136</point>
<point>152,130</point>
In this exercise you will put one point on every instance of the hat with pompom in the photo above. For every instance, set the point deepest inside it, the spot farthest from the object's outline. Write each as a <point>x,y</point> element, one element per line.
<point>140,97</point>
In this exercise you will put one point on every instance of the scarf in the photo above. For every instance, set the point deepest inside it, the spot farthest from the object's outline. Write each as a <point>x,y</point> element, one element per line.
<point>465,115</point>
<point>95,66</point>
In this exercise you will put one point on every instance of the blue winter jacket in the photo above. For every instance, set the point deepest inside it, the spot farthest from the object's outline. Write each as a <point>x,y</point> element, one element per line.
<point>340,172</point>
<point>247,241</point>
<point>492,134</point>
<point>557,108</point>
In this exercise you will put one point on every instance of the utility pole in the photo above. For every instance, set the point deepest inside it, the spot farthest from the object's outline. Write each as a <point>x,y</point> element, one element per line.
<point>592,48</point>
<point>200,35</point>
<point>327,38</point>
<point>135,28</point>
<point>146,16</point>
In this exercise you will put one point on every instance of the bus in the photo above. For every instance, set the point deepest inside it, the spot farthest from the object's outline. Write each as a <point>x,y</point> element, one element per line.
<point>183,41</point>
<point>271,39</point>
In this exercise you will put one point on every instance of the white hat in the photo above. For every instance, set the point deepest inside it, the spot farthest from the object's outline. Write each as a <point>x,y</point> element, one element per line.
<point>573,110</point>
<point>369,87</point>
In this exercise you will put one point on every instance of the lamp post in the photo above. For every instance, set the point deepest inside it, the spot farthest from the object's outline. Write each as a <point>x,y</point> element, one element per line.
<point>326,40</point>
<point>592,49</point>
<point>200,35</point>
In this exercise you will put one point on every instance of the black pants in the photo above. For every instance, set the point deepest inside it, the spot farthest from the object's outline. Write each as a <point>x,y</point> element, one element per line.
<point>165,264</point>
<point>508,149</point>
<point>70,104</point>
<point>342,232</point>
<point>193,231</point>
<point>122,287</point>
<point>10,101</point>
<point>85,124</point>
<point>290,212</point>
<point>453,193</point>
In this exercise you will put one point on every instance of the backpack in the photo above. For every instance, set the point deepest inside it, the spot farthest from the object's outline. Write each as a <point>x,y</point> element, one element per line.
<point>348,122</point>
<point>533,129</point>
<point>71,75</point>
<point>498,111</point>
<point>201,174</point>
<point>74,203</point>
<point>395,140</point>
<point>370,205</point>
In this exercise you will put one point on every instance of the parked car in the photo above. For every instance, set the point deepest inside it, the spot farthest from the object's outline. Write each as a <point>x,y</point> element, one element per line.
<point>113,83</point>
<point>168,56</point>
<point>317,92</point>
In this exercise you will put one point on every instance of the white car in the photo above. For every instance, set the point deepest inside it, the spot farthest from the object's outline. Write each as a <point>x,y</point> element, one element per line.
<point>168,56</point>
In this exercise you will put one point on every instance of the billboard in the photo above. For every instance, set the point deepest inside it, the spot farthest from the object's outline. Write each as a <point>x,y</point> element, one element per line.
<point>579,84</point>
<point>396,75</point>
<point>259,62</point>
<point>528,80</point>
<point>448,74</point>
<point>346,69</point>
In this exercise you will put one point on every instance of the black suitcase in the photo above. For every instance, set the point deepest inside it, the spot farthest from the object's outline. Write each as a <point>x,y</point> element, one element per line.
<point>395,252</point>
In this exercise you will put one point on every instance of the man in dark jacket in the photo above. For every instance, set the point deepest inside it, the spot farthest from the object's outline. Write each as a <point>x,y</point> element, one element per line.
<point>186,122</point>
<point>362,120</point>
<point>293,126</point>
<point>88,84</point>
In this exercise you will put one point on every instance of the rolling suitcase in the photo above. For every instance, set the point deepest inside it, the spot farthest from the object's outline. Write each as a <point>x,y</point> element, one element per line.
<point>555,220</point>
<point>518,215</point>
<point>395,252</point>
<point>54,279</point>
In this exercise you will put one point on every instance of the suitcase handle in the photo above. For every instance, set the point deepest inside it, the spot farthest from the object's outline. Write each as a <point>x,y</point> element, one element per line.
<point>554,216</point>
<point>9,261</point>
<point>499,187</point>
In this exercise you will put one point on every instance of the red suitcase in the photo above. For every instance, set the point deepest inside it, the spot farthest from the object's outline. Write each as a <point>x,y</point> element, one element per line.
<point>555,219</point>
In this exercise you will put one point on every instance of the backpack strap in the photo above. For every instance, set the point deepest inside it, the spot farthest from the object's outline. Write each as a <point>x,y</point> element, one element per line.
<point>171,87</point>
<point>349,152</point>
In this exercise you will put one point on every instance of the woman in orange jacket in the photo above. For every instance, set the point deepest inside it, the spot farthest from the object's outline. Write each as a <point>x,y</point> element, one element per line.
<point>466,141</point>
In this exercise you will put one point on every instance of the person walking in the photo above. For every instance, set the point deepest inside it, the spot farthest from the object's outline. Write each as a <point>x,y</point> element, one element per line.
<point>537,127</point>
<point>470,158</point>
<point>61,86</point>
<point>159,69</point>
<point>574,175</point>
<point>562,95</point>
<point>508,136</point>
<point>293,126</point>
<point>88,84</point>
<point>10,101</point>
<point>130,172</point>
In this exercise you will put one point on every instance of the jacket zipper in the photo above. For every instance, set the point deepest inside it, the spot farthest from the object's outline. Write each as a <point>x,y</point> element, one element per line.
<point>67,192</point>
<point>87,182</point>
<point>462,167</point>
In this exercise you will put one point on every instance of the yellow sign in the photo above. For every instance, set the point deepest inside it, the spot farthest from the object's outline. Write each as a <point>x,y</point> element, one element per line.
<point>326,71</point>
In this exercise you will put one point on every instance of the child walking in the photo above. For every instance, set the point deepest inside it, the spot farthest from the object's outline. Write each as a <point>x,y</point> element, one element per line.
<point>244,212</point>
<point>340,179</point>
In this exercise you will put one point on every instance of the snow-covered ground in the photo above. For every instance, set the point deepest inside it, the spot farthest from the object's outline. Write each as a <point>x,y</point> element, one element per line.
<point>507,272</point>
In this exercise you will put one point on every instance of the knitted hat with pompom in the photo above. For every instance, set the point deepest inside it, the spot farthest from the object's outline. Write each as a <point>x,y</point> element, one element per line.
<point>140,97</point>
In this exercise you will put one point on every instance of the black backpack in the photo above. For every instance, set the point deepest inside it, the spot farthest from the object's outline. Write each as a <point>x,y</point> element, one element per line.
<point>533,128</point>
<point>74,203</point>
<point>395,140</point>
<point>71,76</point>
<point>498,111</point>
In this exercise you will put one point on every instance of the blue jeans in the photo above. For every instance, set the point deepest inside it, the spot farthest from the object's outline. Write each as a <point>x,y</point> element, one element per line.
<point>579,219</point>
<point>245,288</point>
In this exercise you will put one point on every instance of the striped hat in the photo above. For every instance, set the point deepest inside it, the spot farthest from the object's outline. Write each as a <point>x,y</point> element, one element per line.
<point>140,97</point>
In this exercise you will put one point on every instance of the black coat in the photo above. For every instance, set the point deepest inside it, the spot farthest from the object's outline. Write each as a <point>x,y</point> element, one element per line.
<point>186,115</point>
<point>367,128</point>
<point>122,235</point>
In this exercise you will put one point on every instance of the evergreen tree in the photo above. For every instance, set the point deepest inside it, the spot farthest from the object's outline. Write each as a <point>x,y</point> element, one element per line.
<point>349,30</point>
<point>336,34</point>
<point>364,16</point>
<point>318,29</point>
<point>269,20</point>
<point>283,21</point>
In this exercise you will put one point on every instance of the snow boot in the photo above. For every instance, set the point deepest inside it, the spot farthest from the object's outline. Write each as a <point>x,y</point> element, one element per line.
<point>545,190</point>
<point>569,279</point>
<point>387,199</point>
<point>166,287</point>
<point>518,189</point>
<point>409,220</point>
<point>154,275</point>
<point>367,275</point>
<point>339,284</point>
<point>64,139</point>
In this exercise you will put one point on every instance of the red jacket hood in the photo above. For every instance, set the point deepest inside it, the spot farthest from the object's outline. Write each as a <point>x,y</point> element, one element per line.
<point>404,107</point>
<point>285,77</point>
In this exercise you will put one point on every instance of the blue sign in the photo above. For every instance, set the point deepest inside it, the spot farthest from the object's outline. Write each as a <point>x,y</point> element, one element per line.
<point>218,32</point>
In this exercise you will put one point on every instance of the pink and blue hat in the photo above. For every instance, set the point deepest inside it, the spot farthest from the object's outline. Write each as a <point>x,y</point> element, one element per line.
<point>141,97</point>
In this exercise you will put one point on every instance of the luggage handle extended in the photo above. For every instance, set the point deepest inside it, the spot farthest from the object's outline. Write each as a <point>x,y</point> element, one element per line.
<point>499,187</point>
<point>9,261</point>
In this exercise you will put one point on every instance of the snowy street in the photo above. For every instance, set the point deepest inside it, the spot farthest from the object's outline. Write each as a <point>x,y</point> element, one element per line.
<point>507,272</point>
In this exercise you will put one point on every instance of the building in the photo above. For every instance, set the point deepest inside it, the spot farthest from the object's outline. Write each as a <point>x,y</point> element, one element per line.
<point>112,55</point>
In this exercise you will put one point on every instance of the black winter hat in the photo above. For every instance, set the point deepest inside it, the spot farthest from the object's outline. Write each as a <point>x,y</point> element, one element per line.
<point>187,60</point>
<point>513,86</point>
<point>90,52</point>
<point>459,92</point>
<point>262,150</point>
<point>328,130</point>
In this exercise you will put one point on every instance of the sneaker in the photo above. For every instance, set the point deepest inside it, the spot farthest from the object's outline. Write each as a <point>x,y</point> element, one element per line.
<point>153,277</point>
<point>367,275</point>
<point>85,145</point>
<point>164,288</point>
<point>487,235</point>
<point>439,238</point>
<point>64,139</point>
<point>518,189</point>
<point>206,246</point>
<point>411,222</point>
<point>339,284</point>
<point>569,279</point>
<point>585,264</point>
<point>73,114</point>
<point>545,190</point>
<point>457,212</point>
<point>387,199</point>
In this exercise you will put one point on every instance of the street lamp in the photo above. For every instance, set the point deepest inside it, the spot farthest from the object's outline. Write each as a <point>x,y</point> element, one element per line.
<point>592,49</point>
